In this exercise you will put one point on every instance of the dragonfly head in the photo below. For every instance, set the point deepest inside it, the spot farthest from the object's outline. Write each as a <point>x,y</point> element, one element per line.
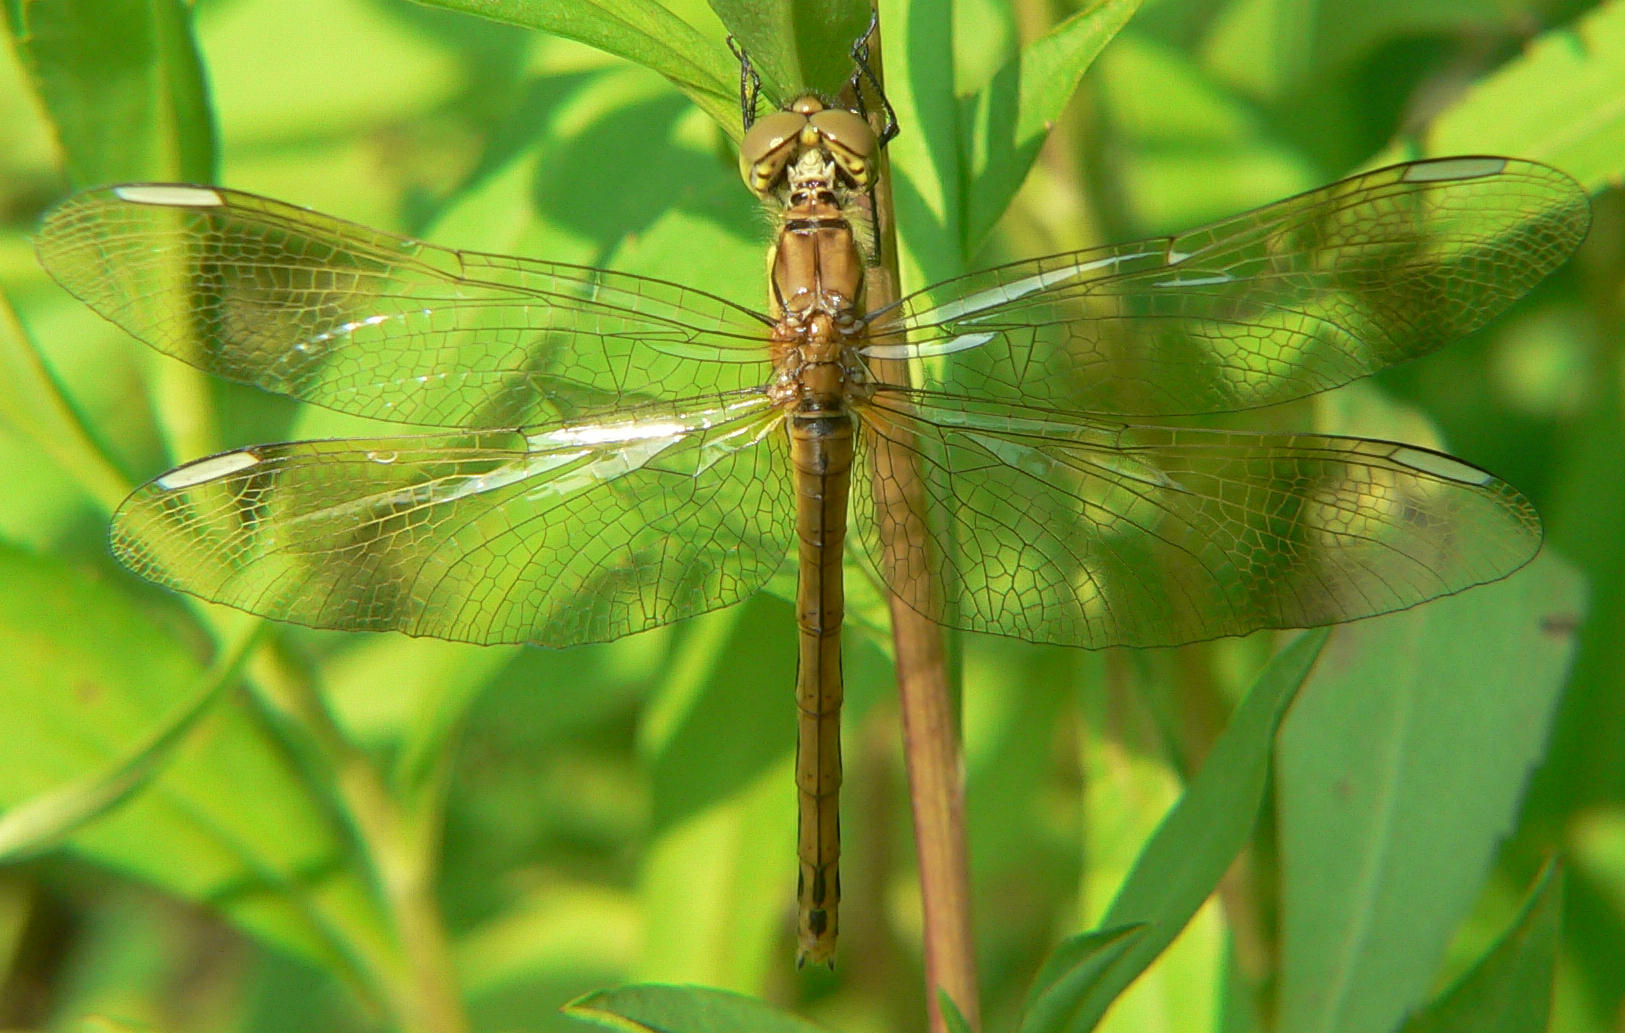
<point>807,125</point>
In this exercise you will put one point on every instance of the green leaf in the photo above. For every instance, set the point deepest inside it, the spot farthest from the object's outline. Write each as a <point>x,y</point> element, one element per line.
<point>413,696</point>
<point>1011,116</point>
<point>797,44</point>
<point>1265,47</point>
<point>1510,989</point>
<point>718,869</point>
<point>1399,775</point>
<point>561,933</point>
<point>952,1017</point>
<point>33,403</point>
<point>1062,993</point>
<point>1196,842</point>
<point>42,821</point>
<point>1562,101</point>
<point>927,177</point>
<point>564,193</point>
<point>716,893</point>
<point>123,84</point>
<point>698,758</point>
<point>1181,148</point>
<point>641,31</point>
<point>1361,26</point>
<point>1279,51</point>
<point>102,700</point>
<point>683,1009</point>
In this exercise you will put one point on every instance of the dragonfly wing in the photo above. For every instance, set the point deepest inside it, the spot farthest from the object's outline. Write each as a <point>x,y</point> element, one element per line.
<point>1089,533</point>
<point>1281,302</point>
<point>363,321</point>
<point>558,536</point>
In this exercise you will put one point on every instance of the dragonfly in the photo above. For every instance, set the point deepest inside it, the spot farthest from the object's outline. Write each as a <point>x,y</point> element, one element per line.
<point>597,453</point>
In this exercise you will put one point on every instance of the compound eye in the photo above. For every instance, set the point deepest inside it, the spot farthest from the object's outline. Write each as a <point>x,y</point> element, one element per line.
<point>768,147</point>
<point>849,140</point>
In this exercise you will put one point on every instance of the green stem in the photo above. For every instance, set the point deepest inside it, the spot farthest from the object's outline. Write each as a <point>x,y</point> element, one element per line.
<point>421,993</point>
<point>33,402</point>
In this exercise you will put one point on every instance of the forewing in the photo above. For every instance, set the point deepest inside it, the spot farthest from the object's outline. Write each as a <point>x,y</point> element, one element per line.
<point>1293,298</point>
<point>370,323</point>
<point>1087,533</point>
<point>555,537</point>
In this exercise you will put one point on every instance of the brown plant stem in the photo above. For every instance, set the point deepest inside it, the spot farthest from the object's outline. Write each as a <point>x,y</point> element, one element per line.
<point>931,745</point>
<point>937,795</point>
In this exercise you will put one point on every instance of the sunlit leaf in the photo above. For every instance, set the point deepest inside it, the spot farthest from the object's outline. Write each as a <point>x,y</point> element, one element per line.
<point>1011,116</point>
<point>642,31</point>
<point>1562,101</point>
<point>93,677</point>
<point>124,85</point>
<point>800,44</point>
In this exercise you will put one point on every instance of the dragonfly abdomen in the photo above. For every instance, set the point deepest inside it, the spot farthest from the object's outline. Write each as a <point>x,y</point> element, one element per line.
<point>821,455</point>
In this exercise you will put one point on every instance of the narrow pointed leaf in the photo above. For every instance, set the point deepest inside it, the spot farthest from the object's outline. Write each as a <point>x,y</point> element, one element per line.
<point>1011,116</point>
<point>951,1015</point>
<point>1059,1001</point>
<point>1510,989</point>
<point>1196,842</point>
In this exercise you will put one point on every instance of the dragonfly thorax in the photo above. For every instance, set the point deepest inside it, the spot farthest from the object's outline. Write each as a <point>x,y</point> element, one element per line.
<point>816,271</point>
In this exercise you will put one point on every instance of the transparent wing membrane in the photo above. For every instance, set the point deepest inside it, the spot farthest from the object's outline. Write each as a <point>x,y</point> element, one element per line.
<point>370,323</point>
<point>557,537</point>
<point>1281,302</point>
<point>1088,533</point>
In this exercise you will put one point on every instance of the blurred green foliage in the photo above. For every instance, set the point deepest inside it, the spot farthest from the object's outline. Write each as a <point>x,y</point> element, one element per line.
<point>360,817</point>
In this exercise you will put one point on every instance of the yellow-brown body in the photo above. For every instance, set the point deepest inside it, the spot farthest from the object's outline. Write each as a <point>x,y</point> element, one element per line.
<point>816,270</point>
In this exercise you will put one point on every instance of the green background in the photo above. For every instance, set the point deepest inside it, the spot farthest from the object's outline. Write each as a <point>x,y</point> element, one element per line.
<point>278,850</point>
